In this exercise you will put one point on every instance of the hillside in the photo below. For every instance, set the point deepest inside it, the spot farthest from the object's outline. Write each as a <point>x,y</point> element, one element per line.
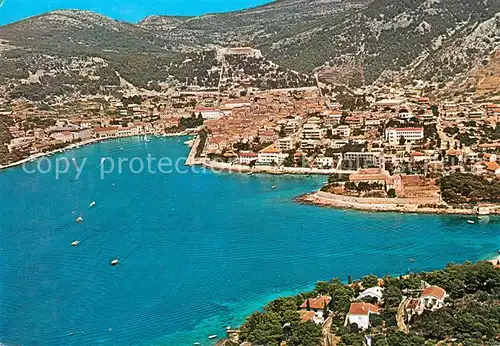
<point>348,42</point>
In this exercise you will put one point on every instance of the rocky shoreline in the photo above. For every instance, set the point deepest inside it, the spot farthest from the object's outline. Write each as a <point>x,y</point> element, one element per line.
<point>401,205</point>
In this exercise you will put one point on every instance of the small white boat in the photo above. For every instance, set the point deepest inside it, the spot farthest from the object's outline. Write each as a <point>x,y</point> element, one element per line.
<point>75,243</point>
<point>196,343</point>
<point>114,262</point>
<point>92,204</point>
<point>79,219</point>
<point>273,187</point>
<point>470,221</point>
<point>212,337</point>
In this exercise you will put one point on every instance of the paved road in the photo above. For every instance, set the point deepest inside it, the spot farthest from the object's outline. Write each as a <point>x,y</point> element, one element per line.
<point>400,316</point>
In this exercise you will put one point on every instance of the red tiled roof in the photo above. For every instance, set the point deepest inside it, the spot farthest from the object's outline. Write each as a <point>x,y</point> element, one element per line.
<point>316,303</point>
<point>491,166</point>
<point>306,316</point>
<point>362,309</point>
<point>248,154</point>
<point>434,291</point>
<point>270,150</point>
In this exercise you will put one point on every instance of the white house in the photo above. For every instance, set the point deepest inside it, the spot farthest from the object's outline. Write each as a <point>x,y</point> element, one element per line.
<point>359,313</point>
<point>432,298</point>
<point>486,167</point>
<point>372,292</point>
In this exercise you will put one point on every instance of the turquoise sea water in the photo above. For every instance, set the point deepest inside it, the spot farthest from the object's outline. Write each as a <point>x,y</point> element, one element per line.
<point>125,10</point>
<point>198,252</point>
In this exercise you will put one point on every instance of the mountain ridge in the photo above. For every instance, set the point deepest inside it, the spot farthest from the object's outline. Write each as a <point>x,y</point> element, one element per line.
<point>375,41</point>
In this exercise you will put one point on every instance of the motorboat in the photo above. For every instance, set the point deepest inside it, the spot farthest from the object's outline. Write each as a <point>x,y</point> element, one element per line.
<point>114,262</point>
<point>79,219</point>
<point>92,204</point>
<point>273,187</point>
<point>75,243</point>
<point>470,221</point>
<point>212,337</point>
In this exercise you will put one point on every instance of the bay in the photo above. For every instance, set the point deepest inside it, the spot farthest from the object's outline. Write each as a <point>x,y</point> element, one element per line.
<point>198,251</point>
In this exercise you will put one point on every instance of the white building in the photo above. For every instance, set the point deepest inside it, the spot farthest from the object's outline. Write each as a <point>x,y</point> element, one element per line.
<point>372,292</point>
<point>342,131</point>
<point>313,131</point>
<point>247,157</point>
<point>333,118</point>
<point>284,144</point>
<point>357,159</point>
<point>324,161</point>
<point>359,313</point>
<point>410,134</point>
<point>271,155</point>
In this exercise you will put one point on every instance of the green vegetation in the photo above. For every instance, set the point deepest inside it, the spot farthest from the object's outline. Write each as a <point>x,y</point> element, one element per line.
<point>191,122</point>
<point>471,315</point>
<point>269,327</point>
<point>203,135</point>
<point>460,188</point>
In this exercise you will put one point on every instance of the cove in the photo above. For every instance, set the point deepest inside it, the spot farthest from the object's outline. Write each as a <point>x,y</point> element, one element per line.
<point>198,251</point>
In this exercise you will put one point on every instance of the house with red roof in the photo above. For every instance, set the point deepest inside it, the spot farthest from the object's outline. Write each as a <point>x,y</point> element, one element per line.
<point>312,309</point>
<point>359,314</point>
<point>432,298</point>
<point>247,157</point>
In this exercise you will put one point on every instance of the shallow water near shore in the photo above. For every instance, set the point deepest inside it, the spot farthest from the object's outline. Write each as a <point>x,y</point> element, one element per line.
<point>198,252</point>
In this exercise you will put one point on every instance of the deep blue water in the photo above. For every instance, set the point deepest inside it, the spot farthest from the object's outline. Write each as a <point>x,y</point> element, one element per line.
<point>125,10</point>
<point>198,251</point>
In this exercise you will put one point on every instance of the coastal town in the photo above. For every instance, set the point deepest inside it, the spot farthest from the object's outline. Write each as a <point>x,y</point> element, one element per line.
<point>384,148</point>
<point>332,173</point>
